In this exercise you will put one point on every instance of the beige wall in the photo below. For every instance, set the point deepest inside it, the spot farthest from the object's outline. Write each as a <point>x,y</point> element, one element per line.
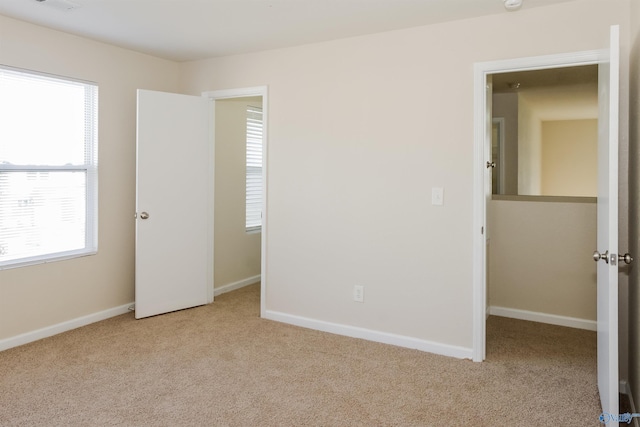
<point>570,158</point>
<point>349,199</point>
<point>538,105</point>
<point>529,148</point>
<point>237,254</point>
<point>505,105</point>
<point>39,296</point>
<point>634,205</point>
<point>541,257</point>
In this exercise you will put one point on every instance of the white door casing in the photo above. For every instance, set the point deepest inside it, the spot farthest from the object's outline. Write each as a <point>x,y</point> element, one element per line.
<point>607,59</point>
<point>261,91</point>
<point>482,150</point>
<point>174,187</point>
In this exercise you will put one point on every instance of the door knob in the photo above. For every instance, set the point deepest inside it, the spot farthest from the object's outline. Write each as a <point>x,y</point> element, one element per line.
<point>144,215</point>
<point>597,256</point>
<point>626,258</point>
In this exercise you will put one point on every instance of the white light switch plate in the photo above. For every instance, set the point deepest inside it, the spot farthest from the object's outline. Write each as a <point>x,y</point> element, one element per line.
<point>437,196</point>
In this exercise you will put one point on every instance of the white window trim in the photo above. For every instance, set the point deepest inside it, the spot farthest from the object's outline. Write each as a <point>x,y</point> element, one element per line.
<point>90,167</point>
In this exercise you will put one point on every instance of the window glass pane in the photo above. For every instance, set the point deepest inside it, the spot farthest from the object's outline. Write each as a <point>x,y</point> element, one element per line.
<point>48,168</point>
<point>254,169</point>
<point>41,213</point>
<point>42,120</point>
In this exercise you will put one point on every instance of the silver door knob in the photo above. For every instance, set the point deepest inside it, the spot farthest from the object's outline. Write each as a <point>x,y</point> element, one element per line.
<point>144,215</point>
<point>626,258</point>
<point>597,256</point>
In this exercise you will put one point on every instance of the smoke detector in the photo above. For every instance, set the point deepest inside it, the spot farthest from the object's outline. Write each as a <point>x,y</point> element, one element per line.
<point>512,5</point>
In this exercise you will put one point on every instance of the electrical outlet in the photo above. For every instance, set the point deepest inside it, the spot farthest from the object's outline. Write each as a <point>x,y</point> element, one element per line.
<point>437,196</point>
<point>358,293</point>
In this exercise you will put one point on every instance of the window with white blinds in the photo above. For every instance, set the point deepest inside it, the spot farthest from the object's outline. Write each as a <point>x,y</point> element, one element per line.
<point>254,170</point>
<point>48,168</point>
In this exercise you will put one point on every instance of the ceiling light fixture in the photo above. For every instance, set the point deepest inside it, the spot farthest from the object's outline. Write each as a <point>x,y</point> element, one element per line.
<point>512,5</point>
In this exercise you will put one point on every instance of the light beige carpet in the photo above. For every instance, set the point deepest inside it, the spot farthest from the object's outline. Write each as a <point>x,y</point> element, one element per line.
<point>221,365</point>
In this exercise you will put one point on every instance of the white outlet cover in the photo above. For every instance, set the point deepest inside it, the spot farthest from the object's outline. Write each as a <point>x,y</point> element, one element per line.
<point>437,196</point>
<point>358,293</point>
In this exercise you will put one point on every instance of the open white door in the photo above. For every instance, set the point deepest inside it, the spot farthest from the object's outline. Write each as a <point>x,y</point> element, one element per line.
<point>174,193</point>
<point>607,250</point>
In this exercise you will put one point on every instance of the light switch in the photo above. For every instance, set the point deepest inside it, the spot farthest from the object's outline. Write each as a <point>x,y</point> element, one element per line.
<point>437,196</point>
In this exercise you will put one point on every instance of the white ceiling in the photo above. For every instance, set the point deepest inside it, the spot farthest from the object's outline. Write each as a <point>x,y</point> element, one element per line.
<point>185,30</point>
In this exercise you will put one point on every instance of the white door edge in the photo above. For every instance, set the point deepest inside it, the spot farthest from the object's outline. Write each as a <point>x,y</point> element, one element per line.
<point>241,93</point>
<point>481,70</point>
<point>607,287</point>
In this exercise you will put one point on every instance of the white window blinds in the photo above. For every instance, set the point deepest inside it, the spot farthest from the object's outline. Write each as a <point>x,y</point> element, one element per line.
<point>48,168</point>
<point>254,170</point>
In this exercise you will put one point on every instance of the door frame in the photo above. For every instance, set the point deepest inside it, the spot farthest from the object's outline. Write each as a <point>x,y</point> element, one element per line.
<point>262,91</point>
<point>481,71</point>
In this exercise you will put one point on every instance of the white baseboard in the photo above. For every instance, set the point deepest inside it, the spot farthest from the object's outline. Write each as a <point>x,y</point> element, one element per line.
<point>59,328</point>
<point>236,285</point>
<point>370,335</point>
<point>571,322</point>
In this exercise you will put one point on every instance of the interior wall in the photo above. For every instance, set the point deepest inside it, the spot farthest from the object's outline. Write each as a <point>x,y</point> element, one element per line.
<point>539,105</point>
<point>570,158</point>
<point>360,129</point>
<point>634,205</point>
<point>529,148</point>
<point>236,252</point>
<point>505,105</point>
<point>541,257</point>
<point>38,296</point>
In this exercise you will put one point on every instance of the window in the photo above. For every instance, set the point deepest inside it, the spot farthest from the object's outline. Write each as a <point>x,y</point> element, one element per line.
<point>48,168</point>
<point>254,170</point>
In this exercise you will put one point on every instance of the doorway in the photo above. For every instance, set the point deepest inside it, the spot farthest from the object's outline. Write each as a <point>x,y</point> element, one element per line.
<point>541,219</point>
<point>179,130</point>
<point>483,181</point>
<point>606,254</point>
<point>240,140</point>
